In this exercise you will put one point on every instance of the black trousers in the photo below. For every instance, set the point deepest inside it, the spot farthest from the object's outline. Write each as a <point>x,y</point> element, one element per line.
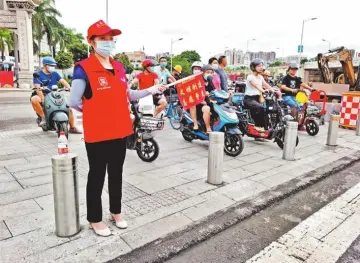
<point>257,110</point>
<point>102,156</point>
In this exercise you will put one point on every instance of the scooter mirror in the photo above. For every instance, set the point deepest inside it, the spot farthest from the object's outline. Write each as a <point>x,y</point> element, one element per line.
<point>36,75</point>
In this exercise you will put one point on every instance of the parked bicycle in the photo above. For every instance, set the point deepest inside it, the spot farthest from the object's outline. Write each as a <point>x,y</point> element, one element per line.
<point>173,110</point>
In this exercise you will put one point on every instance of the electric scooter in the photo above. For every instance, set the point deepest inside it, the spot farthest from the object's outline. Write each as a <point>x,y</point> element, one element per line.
<point>223,118</point>
<point>56,109</point>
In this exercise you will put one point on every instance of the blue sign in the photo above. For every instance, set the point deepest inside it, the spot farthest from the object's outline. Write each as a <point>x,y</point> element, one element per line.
<point>300,48</point>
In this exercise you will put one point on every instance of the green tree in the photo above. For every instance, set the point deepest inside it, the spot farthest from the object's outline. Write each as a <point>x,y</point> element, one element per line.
<point>64,60</point>
<point>44,55</point>
<point>44,21</point>
<point>303,61</point>
<point>124,59</point>
<point>79,51</point>
<point>6,40</point>
<point>275,64</point>
<point>191,56</point>
<point>184,63</point>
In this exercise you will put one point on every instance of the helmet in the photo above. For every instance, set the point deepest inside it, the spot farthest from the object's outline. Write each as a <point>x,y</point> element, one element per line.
<point>178,68</point>
<point>49,61</point>
<point>197,64</point>
<point>256,62</point>
<point>266,73</point>
<point>293,66</point>
<point>147,63</point>
<point>207,67</point>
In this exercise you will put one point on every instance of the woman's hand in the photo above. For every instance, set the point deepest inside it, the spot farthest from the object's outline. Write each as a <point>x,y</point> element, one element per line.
<point>162,89</point>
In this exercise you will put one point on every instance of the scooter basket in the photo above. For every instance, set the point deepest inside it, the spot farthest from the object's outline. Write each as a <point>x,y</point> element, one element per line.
<point>312,110</point>
<point>151,124</point>
<point>173,98</point>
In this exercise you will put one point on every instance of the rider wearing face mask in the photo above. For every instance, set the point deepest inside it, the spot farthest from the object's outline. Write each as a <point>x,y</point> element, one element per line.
<point>203,110</point>
<point>163,73</point>
<point>49,77</point>
<point>101,92</point>
<point>196,67</point>
<point>149,78</point>
<point>213,62</point>
<point>255,86</point>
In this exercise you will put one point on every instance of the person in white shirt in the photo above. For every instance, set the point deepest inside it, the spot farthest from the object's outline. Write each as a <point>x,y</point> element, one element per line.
<point>255,86</point>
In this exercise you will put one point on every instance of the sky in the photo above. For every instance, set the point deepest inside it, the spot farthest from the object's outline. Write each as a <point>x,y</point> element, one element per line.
<point>210,26</point>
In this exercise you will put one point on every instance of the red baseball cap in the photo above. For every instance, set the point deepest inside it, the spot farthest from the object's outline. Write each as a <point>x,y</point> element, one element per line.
<point>100,28</point>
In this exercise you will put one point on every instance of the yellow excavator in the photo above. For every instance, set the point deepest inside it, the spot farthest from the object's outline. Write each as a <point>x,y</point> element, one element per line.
<point>344,56</point>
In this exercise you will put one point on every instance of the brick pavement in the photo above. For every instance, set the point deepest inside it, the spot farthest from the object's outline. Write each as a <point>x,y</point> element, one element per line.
<point>322,237</point>
<point>159,198</point>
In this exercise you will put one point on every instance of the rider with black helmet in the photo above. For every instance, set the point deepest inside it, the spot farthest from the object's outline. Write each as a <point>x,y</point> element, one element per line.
<point>255,86</point>
<point>291,85</point>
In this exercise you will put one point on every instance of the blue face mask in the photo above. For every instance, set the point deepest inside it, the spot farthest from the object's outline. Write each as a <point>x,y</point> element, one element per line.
<point>51,68</point>
<point>215,66</point>
<point>105,47</point>
<point>163,64</point>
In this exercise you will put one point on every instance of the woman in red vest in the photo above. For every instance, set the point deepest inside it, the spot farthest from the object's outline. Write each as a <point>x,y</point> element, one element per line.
<point>100,91</point>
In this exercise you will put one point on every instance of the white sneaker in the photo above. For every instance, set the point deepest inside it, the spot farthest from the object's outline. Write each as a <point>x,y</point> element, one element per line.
<point>101,232</point>
<point>122,224</point>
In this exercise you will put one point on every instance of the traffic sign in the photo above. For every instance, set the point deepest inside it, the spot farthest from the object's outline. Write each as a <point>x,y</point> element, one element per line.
<point>300,48</point>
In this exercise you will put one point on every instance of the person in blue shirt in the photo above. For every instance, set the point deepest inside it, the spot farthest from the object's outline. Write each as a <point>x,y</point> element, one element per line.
<point>49,77</point>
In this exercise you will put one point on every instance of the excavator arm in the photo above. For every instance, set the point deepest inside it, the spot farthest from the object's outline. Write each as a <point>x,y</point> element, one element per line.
<point>344,56</point>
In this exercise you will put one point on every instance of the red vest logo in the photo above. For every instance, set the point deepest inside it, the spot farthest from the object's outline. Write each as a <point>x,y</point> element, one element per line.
<point>103,82</point>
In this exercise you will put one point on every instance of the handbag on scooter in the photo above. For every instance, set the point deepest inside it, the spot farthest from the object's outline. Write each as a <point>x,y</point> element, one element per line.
<point>261,99</point>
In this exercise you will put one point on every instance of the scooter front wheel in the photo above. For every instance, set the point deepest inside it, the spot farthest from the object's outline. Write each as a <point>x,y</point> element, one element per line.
<point>233,145</point>
<point>312,128</point>
<point>148,151</point>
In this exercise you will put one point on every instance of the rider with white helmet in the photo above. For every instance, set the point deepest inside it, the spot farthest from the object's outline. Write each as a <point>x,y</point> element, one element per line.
<point>255,86</point>
<point>196,67</point>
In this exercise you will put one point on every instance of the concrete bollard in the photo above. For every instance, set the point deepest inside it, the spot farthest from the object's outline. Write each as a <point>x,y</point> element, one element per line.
<point>357,133</point>
<point>216,158</point>
<point>290,141</point>
<point>66,194</point>
<point>333,130</point>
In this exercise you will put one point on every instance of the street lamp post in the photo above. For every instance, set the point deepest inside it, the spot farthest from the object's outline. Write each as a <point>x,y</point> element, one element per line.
<point>107,11</point>
<point>302,35</point>
<point>172,42</point>
<point>328,42</point>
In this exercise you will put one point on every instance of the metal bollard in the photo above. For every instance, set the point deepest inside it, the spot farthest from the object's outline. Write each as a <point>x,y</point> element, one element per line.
<point>290,140</point>
<point>357,133</point>
<point>333,130</point>
<point>66,194</point>
<point>216,158</point>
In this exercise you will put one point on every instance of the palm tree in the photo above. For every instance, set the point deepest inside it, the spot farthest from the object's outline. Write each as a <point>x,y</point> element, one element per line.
<point>44,21</point>
<point>5,41</point>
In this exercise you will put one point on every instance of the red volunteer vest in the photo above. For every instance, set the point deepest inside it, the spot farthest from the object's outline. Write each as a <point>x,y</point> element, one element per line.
<point>106,115</point>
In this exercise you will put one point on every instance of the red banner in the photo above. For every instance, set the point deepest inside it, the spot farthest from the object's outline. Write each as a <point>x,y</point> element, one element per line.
<point>191,91</point>
<point>6,78</point>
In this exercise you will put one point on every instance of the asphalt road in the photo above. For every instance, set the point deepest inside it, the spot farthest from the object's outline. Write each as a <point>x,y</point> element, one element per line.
<point>352,255</point>
<point>247,238</point>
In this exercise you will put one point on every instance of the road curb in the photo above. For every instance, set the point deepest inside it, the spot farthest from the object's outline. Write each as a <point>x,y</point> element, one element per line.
<point>167,247</point>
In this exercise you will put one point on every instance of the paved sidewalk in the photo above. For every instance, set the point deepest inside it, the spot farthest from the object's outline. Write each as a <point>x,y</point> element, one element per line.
<point>323,237</point>
<point>158,198</point>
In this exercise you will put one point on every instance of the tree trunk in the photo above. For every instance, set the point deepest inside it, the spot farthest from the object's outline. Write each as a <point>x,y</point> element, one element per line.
<point>54,51</point>
<point>2,54</point>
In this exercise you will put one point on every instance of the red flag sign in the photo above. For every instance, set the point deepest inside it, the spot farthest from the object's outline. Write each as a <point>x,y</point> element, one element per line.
<point>191,91</point>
